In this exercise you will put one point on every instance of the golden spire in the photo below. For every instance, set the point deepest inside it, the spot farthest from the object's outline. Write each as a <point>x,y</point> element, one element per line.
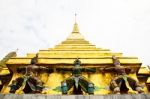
<point>75,28</point>
<point>75,17</point>
<point>75,33</point>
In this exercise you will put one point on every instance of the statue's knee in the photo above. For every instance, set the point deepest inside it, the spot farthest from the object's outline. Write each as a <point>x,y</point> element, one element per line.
<point>91,88</point>
<point>64,87</point>
<point>139,89</point>
<point>116,90</point>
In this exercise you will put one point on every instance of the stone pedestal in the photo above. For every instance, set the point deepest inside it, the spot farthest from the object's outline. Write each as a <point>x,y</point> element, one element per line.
<point>41,96</point>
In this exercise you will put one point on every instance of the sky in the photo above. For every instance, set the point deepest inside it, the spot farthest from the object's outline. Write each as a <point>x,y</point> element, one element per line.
<point>118,25</point>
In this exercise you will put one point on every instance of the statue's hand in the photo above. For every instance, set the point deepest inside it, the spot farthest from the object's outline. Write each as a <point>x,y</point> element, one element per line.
<point>19,70</point>
<point>50,70</point>
<point>102,70</point>
<point>132,71</point>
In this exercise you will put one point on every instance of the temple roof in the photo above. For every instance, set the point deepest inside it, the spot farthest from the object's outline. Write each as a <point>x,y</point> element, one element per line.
<point>143,70</point>
<point>75,46</point>
<point>148,80</point>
